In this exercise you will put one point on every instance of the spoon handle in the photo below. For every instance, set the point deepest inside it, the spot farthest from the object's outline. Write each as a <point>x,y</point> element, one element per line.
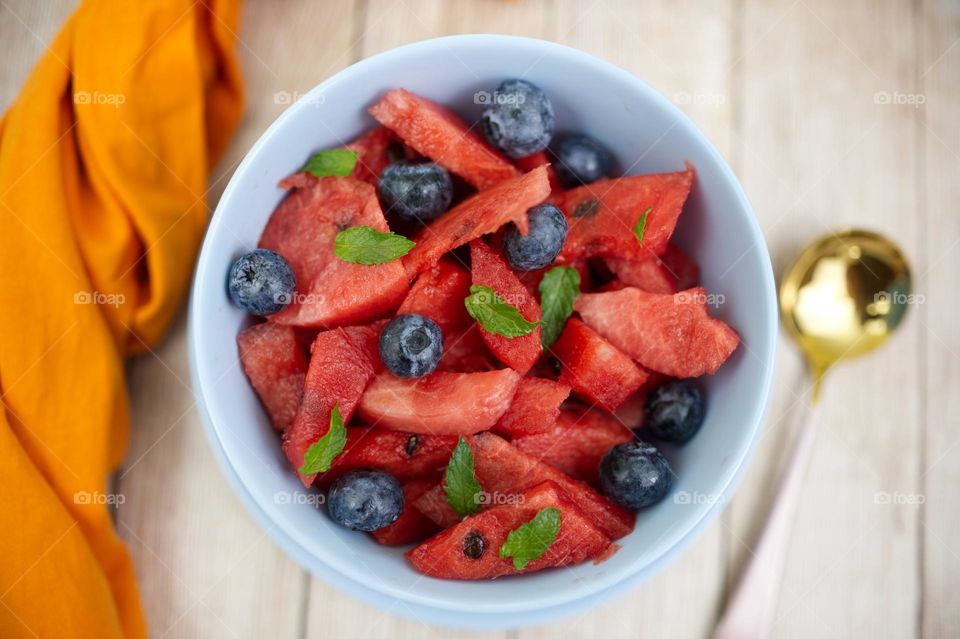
<point>751,609</point>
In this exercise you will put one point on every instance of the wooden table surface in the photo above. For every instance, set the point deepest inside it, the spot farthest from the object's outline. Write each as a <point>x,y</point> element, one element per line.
<point>831,113</point>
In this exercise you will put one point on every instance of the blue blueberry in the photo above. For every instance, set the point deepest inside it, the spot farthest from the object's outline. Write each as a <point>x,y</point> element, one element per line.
<point>261,282</point>
<point>365,500</point>
<point>635,475</point>
<point>674,411</point>
<point>519,118</point>
<point>411,345</point>
<point>579,159</point>
<point>541,245</point>
<point>415,190</point>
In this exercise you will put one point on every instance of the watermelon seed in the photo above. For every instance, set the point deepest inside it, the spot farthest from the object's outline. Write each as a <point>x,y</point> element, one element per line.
<point>413,442</point>
<point>587,208</point>
<point>474,544</point>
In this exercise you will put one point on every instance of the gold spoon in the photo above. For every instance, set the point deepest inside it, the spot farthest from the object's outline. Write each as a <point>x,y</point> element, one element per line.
<point>843,297</point>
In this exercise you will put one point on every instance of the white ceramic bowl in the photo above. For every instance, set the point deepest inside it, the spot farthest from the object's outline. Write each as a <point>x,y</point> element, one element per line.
<point>647,133</point>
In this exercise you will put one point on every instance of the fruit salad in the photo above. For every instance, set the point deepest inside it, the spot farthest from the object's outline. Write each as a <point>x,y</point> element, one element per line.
<point>475,338</point>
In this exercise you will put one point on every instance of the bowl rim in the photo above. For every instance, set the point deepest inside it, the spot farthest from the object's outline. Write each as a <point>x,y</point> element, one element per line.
<point>565,601</point>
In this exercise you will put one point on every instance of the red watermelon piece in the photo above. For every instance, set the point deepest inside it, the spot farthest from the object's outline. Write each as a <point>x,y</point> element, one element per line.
<point>671,334</point>
<point>519,353</point>
<point>534,408</point>
<point>540,158</point>
<point>505,470</point>
<point>667,274</point>
<point>330,292</point>
<point>464,351</point>
<point>577,540</point>
<point>478,215</point>
<point>442,136</point>
<point>576,442</point>
<point>374,153</point>
<point>439,403</point>
<point>433,505</point>
<point>594,368</point>
<point>602,215</point>
<point>276,364</point>
<point>411,526</point>
<point>406,456</point>
<point>438,293</point>
<point>341,366</point>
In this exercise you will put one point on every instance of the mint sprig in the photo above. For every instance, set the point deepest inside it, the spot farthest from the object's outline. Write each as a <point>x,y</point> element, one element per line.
<point>641,225</point>
<point>460,482</point>
<point>332,162</point>
<point>559,289</point>
<point>495,315</point>
<point>529,541</point>
<point>322,452</point>
<point>366,245</point>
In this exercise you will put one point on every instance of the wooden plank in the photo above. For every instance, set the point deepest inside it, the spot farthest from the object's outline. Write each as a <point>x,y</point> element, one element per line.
<point>205,567</point>
<point>937,266</point>
<point>820,149</point>
<point>683,49</point>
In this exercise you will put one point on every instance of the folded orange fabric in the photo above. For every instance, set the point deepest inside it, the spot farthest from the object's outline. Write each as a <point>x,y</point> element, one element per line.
<point>104,158</point>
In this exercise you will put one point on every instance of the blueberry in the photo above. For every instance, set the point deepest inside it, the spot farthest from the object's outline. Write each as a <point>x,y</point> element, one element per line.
<point>365,500</point>
<point>519,118</point>
<point>579,159</point>
<point>541,245</point>
<point>261,282</point>
<point>411,345</point>
<point>415,190</point>
<point>635,475</point>
<point>674,411</point>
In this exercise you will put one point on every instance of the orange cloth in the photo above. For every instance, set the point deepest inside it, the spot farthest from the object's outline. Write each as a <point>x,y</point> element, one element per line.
<point>104,158</point>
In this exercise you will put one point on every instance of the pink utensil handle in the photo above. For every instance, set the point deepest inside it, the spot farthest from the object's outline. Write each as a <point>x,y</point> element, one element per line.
<point>751,610</point>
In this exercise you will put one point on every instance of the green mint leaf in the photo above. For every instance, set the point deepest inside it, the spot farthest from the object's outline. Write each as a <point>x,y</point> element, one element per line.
<point>529,541</point>
<point>641,225</point>
<point>559,289</point>
<point>366,245</point>
<point>322,452</point>
<point>337,162</point>
<point>459,481</point>
<point>495,315</point>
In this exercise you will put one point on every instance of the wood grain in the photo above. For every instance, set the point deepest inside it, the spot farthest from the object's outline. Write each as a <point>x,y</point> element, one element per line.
<point>811,101</point>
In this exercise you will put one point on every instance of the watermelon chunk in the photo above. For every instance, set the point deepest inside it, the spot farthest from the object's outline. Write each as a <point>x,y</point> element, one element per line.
<point>671,334</point>
<point>602,215</point>
<point>433,505</point>
<point>534,408</point>
<point>478,215</point>
<point>439,403</point>
<point>374,149</point>
<point>341,366</point>
<point>438,294</point>
<point>276,364</point>
<point>465,352</point>
<point>406,456</point>
<point>576,442</point>
<point>442,136</point>
<point>412,525</point>
<point>577,540</point>
<point>538,159</point>
<point>667,274</point>
<point>594,368</point>
<point>519,353</point>
<point>330,292</point>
